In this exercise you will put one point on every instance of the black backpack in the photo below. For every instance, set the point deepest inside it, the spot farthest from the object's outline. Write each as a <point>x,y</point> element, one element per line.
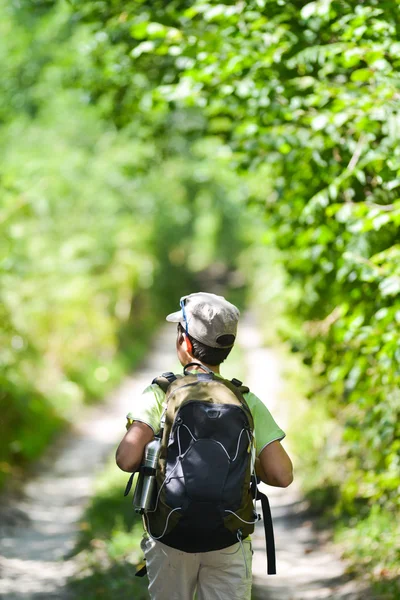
<point>205,482</point>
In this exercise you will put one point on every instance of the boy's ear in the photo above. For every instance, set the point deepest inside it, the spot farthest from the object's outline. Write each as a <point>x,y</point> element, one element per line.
<point>189,346</point>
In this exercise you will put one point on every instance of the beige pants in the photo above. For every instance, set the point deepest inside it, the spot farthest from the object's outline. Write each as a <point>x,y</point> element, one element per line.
<point>217,575</point>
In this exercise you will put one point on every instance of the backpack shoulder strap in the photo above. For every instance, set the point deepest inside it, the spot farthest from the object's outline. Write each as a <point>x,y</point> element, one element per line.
<point>165,380</point>
<point>239,389</point>
<point>239,384</point>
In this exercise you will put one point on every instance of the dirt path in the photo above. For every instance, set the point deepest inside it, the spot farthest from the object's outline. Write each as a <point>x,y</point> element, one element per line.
<point>39,530</point>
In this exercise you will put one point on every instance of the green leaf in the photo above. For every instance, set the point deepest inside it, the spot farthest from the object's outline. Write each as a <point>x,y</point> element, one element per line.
<point>362,75</point>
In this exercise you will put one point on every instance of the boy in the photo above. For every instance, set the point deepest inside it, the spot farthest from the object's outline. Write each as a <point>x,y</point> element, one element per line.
<point>206,334</point>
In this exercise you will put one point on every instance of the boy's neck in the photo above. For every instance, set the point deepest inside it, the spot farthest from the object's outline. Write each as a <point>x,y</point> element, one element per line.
<point>213,368</point>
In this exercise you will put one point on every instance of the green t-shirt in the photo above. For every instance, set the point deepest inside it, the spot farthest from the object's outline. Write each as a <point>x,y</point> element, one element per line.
<point>149,406</point>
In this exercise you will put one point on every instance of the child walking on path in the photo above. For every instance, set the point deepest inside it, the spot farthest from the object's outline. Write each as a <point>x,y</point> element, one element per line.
<point>213,435</point>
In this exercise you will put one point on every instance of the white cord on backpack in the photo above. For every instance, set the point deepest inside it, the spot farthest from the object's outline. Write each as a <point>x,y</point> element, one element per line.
<point>180,456</point>
<point>178,437</point>
<point>254,501</point>
<point>237,447</point>
<point>216,441</point>
<point>224,449</point>
<point>222,446</point>
<point>167,479</point>
<point>240,519</point>
<point>195,440</point>
<point>239,537</point>
<point>166,524</point>
<point>184,425</point>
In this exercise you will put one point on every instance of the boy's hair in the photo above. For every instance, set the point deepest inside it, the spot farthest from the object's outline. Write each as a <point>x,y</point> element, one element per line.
<point>208,355</point>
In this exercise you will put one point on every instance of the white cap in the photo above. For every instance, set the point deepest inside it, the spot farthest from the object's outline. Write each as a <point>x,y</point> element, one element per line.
<point>207,317</point>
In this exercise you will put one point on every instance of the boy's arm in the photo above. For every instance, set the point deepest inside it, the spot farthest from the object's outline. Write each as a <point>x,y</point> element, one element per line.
<point>274,466</point>
<point>130,451</point>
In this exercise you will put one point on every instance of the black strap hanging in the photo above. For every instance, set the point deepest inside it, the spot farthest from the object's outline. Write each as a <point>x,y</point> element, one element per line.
<point>129,485</point>
<point>268,527</point>
<point>269,534</point>
<point>141,572</point>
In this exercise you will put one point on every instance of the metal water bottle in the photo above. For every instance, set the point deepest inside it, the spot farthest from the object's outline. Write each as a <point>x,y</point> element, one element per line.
<point>145,491</point>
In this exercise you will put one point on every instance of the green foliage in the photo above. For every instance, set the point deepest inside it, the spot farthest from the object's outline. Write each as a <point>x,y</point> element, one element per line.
<point>100,233</point>
<point>374,541</point>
